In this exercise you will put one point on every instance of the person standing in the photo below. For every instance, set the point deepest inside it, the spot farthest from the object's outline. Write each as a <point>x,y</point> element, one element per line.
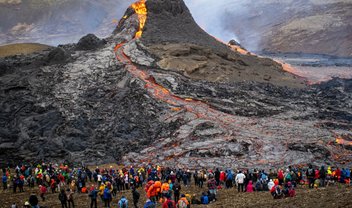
<point>136,197</point>
<point>322,176</point>
<point>240,181</point>
<point>212,186</point>
<point>107,197</point>
<point>229,179</point>
<point>42,191</point>
<point>93,195</point>
<point>69,194</point>
<point>217,176</point>
<point>63,198</point>
<point>177,189</point>
<point>310,176</point>
<point>4,182</point>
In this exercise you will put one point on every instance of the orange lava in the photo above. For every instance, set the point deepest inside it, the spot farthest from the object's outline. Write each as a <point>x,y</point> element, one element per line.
<point>287,67</point>
<point>239,49</point>
<point>341,141</point>
<point>141,10</point>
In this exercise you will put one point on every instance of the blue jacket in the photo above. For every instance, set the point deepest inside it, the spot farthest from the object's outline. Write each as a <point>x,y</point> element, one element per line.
<point>93,194</point>
<point>123,200</point>
<point>229,176</point>
<point>107,194</point>
<point>204,199</point>
<point>4,179</point>
<point>149,204</point>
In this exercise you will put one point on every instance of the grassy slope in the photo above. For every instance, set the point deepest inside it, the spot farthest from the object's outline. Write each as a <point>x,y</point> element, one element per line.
<point>21,48</point>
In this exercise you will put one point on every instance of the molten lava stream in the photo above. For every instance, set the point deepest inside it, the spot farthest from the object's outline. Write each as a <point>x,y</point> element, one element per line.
<point>341,141</point>
<point>198,108</point>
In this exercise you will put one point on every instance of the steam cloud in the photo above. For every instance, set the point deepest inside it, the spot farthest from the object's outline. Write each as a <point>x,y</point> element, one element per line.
<point>211,16</point>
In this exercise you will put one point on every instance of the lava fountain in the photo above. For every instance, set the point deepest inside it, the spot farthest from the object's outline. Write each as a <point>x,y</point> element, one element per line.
<point>141,10</point>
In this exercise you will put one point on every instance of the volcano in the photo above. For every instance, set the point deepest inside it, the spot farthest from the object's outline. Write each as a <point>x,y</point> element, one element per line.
<point>162,90</point>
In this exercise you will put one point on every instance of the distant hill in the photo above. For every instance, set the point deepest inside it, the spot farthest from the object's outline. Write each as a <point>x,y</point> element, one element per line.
<point>21,48</point>
<point>313,26</point>
<point>57,21</point>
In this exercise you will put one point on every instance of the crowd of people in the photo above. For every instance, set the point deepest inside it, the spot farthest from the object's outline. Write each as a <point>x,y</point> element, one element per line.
<point>161,185</point>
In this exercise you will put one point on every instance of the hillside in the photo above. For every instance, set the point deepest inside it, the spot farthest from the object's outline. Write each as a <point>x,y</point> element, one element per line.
<point>313,26</point>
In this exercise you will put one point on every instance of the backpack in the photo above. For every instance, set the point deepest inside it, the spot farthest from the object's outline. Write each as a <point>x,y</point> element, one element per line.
<point>123,203</point>
<point>182,204</point>
<point>291,192</point>
<point>288,177</point>
<point>310,172</point>
<point>205,200</point>
<point>170,204</point>
<point>278,191</point>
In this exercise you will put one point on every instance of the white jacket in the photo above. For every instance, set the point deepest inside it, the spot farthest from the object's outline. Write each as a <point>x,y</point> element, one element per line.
<point>240,178</point>
<point>271,184</point>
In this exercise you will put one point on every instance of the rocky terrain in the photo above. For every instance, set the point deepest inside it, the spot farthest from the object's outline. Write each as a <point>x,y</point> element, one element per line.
<point>132,101</point>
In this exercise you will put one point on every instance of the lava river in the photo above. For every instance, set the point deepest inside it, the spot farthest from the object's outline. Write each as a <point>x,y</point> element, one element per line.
<point>200,109</point>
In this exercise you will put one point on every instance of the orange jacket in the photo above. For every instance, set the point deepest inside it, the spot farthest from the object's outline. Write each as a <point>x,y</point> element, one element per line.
<point>148,185</point>
<point>165,187</point>
<point>157,185</point>
<point>183,199</point>
<point>151,191</point>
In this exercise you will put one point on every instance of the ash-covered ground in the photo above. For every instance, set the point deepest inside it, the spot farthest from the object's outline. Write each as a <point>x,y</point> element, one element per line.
<point>174,97</point>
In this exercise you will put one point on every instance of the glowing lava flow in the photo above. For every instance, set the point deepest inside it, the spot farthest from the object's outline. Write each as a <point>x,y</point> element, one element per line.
<point>343,142</point>
<point>198,108</point>
<point>141,10</point>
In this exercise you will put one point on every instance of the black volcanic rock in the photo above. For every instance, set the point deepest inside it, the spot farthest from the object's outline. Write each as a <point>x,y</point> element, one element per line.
<point>58,55</point>
<point>172,22</point>
<point>90,42</point>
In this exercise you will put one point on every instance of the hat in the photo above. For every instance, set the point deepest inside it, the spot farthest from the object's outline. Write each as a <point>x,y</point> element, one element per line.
<point>182,195</point>
<point>26,203</point>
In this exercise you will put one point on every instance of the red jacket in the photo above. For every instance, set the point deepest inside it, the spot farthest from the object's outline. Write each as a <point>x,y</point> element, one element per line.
<point>42,189</point>
<point>222,176</point>
<point>280,175</point>
<point>167,202</point>
<point>317,174</point>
